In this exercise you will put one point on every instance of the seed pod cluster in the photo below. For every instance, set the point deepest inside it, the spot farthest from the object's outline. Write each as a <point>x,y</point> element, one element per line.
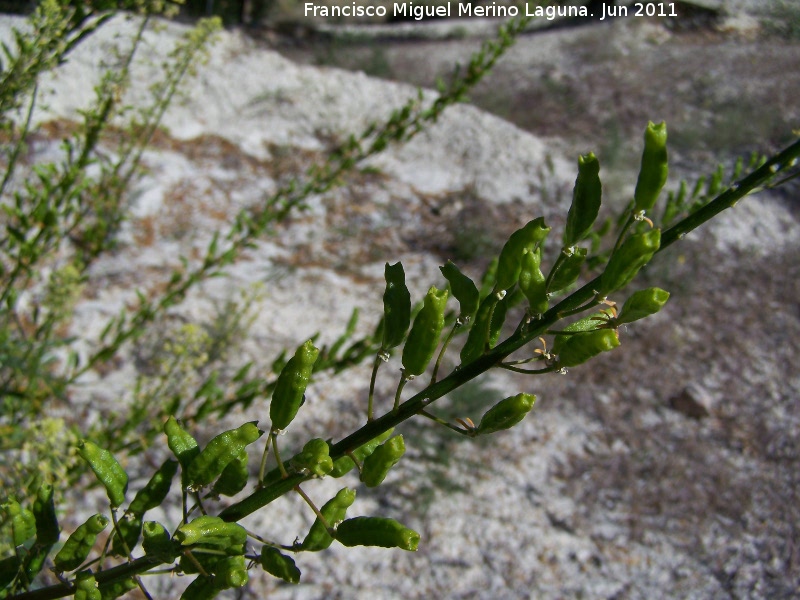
<point>44,513</point>
<point>425,333</point>
<point>107,469</point>
<point>334,511</point>
<point>291,386</point>
<point>220,452</point>
<point>376,531</point>
<point>586,199</point>
<point>506,413</point>
<point>508,264</point>
<point>377,464</point>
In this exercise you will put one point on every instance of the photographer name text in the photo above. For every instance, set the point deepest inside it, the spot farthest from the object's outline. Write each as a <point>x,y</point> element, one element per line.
<point>410,10</point>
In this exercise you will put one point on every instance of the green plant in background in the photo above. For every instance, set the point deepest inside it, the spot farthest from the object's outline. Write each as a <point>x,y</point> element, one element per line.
<point>784,19</point>
<point>61,205</point>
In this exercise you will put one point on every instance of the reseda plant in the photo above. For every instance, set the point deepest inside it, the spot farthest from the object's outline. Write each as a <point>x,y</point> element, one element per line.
<point>220,550</point>
<point>541,301</point>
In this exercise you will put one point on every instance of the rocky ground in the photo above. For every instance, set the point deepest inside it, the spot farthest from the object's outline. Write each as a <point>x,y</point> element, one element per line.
<point>668,469</point>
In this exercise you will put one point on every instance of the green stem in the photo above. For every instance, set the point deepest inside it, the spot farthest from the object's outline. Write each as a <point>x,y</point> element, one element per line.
<point>562,256</point>
<point>447,341</point>
<point>375,366</point>
<point>442,422</point>
<point>400,385</point>
<point>313,506</point>
<point>519,339</point>
<point>622,233</point>
<point>274,437</point>
<point>263,468</point>
<point>510,367</point>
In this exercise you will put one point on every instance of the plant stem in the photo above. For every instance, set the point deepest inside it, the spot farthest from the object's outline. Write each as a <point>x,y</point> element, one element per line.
<point>519,339</point>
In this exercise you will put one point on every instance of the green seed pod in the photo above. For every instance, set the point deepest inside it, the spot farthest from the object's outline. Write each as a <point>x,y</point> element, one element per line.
<point>532,281</point>
<point>314,458</point>
<point>376,531</point>
<point>211,530</point>
<point>464,290</point>
<point>478,338</point>
<point>279,565</point>
<point>231,572</point>
<point>577,349</point>
<point>220,452</point>
<point>499,317</point>
<point>77,547</point>
<point>117,589</point>
<point>396,307</point>
<point>34,561</point>
<point>107,469</point>
<point>9,569</point>
<point>233,478</point>
<point>635,252</point>
<point>590,323</point>
<point>156,541</point>
<point>508,263</point>
<point>488,278</point>
<point>23,522</point>
<point>153,494</point>
<point>654,168</point>
<point>128,531</point>
<point>642,304</point>
<point>334,511</point>
<point>569,270</point>
<point>149,497</point>
<point>377,464</point>
<point>291,386</point>
<point>202,588</point>
<point>425,333</point>
<point>44,512</point>
<point>345,464</point>
<point>183,446</point>
<point>586,198</point>
<point>86,588</point>
<point>506,413</point>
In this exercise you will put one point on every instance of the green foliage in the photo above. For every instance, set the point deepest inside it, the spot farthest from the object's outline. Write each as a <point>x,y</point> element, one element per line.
<point>784,19</point>
<point>61,206</point>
